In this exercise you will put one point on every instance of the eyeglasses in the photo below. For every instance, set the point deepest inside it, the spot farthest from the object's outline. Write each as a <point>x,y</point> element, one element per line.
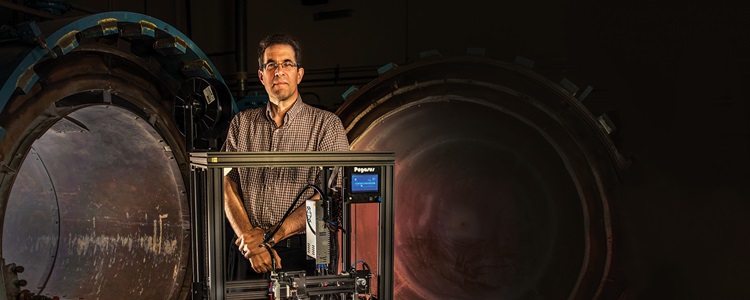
<point>285,65</point>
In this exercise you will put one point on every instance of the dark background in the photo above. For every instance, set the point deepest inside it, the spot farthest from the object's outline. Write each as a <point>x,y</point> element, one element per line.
<point>673,77</point>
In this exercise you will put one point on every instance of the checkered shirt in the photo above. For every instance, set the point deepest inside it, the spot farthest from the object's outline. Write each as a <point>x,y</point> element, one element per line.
<point>267,193</point>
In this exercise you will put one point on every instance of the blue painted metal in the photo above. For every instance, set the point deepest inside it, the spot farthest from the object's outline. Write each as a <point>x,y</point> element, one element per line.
<point>32,79</point>
<point>29,30</point>
<point>66,48</point>
<point>349,91</point>
<point>387,67</point>
<point>107,27</point>
<point>169,46</point>
<point>429,53</point>
<point>37,54</point>
<point>198,68</point>
<point>137,29</point>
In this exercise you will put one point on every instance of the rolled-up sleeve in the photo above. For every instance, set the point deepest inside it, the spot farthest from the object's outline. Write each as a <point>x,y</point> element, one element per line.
<point>230,145</point>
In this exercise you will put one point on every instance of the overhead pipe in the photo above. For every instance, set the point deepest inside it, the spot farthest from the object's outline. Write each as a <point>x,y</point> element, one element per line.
<point>189,18</point>
<point>240,40</point>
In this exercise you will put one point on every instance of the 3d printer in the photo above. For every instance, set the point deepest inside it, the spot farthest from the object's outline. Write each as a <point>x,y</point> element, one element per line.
<point>368,178</point>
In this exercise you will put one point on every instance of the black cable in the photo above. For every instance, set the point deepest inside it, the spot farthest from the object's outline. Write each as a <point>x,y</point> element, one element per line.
<point>273,258</point>
<point>268,237</point>
<point>334,226</point>
<point>334,251</point>
<point>367,267</point>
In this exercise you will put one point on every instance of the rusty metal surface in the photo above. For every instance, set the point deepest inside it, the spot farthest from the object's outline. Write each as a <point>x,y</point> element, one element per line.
<point>479,205</point>
<point>31,222</point>
<point>121,227</point>
<point>499,184</point>
<point>131,253</point>
<point>74,82</point>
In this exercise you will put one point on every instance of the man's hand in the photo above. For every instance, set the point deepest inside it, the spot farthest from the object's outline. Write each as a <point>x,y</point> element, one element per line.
<point>249,242</point>
<point>261,262</point>
<point>250,246</point>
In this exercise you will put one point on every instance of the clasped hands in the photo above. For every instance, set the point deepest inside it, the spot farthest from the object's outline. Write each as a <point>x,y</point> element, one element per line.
<point>250,245</point>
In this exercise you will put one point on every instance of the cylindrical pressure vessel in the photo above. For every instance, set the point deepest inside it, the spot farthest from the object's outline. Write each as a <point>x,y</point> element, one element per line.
<point>93,199</point>
<point>502,180</point>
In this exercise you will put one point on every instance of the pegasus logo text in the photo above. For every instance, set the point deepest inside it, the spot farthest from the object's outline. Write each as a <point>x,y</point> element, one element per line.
<point>363,170</point>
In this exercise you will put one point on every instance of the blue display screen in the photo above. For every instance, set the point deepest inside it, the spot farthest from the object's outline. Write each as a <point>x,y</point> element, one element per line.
<point>362,183</point>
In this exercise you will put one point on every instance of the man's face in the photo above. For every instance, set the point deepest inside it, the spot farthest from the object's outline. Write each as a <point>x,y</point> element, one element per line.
<point>280,82</point>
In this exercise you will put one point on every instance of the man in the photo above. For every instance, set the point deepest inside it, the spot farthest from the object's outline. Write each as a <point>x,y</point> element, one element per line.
<point>255,199</point>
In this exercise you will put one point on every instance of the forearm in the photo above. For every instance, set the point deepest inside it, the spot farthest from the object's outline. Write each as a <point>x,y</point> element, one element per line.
<point>295,223</point>
<point>249,238</point>
<point>234,209</point>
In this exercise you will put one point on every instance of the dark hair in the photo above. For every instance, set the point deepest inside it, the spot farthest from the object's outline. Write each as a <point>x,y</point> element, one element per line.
<point>279,39</point>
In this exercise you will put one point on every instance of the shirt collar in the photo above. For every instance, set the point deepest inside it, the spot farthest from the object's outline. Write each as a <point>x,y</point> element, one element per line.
<point>290,114</point>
